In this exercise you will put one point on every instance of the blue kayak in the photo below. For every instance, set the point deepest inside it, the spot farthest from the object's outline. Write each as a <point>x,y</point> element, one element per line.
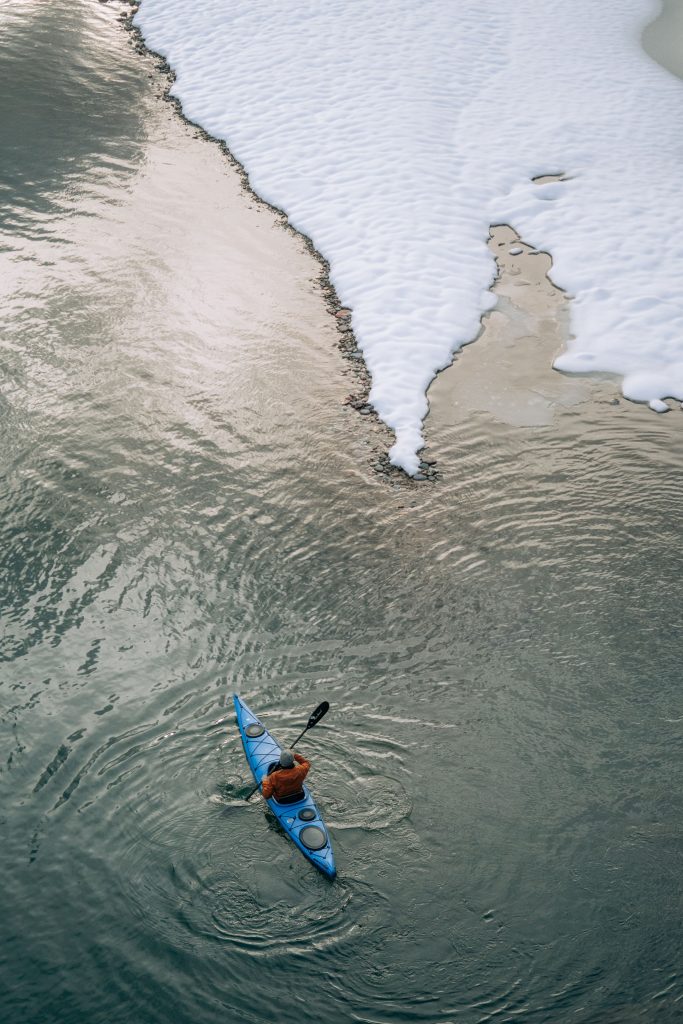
<point>300,820</point>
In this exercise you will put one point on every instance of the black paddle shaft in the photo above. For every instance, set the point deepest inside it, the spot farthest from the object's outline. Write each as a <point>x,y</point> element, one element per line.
<point>319,713</point>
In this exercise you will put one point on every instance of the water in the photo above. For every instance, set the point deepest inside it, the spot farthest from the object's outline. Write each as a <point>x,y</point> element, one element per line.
<point>663,37</point>
<point>189,509</point>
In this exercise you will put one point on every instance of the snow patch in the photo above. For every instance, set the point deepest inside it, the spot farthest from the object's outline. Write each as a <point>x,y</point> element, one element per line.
<point>394,133</point>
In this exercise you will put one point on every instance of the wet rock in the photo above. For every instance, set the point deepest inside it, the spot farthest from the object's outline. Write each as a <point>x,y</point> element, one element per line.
<point>365,410</point>
<point>343,313</point>
<point>355,401</point>
<point>419,476</point>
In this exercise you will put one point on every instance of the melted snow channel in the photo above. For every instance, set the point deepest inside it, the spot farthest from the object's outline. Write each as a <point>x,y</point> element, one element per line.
<point>394,133</point>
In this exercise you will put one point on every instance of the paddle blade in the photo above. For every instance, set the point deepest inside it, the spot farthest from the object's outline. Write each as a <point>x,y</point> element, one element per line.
<point>319,713</point>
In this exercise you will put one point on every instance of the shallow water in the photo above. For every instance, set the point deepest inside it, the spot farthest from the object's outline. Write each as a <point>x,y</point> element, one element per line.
<point>188,509</point>
<point>663,37</point>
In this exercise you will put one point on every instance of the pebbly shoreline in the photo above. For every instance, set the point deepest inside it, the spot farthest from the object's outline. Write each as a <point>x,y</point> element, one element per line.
<point>361,381</point>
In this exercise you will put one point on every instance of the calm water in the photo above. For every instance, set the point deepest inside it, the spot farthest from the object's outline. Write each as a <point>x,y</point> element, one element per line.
<point>188,509</point>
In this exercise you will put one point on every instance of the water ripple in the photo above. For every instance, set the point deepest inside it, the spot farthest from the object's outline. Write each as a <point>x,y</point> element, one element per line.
<point>189,509</point>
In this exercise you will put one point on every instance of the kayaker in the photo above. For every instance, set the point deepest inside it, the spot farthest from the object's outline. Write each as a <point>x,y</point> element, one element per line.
<point>285,781</point>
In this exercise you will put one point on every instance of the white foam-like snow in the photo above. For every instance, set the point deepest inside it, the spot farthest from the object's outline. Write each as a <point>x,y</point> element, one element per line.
<point>394,132</point>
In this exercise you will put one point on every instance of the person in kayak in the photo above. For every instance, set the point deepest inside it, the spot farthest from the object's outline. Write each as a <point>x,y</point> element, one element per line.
<point>286,779</point>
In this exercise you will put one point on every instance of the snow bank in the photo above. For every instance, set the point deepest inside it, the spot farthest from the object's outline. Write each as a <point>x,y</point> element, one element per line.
<point>394,132</point>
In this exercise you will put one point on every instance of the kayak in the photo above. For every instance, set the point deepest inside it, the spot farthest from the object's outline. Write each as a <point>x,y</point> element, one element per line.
<point>301,820</point>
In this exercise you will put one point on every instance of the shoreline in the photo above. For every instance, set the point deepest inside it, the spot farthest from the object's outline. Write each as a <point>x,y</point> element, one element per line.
<point>358,398</point>
<point>347,344</point>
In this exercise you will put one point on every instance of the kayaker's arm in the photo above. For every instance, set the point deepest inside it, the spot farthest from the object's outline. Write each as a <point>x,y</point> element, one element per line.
<point>303,767</point>
<point>267,787</point>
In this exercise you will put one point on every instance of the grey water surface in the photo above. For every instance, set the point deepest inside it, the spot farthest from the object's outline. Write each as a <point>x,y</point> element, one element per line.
<point>188,509</point>
<point>662,37</point>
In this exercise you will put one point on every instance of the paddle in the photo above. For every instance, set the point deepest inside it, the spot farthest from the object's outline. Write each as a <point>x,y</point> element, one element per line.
<point>319,713</point>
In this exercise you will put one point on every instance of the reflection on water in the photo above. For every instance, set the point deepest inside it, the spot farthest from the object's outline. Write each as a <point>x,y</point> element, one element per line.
<point>189,509</point>
<point>508,374</point>
<point>663,38</point>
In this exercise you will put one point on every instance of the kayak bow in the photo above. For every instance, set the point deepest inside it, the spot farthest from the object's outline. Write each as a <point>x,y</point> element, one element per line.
<point>301,820</point>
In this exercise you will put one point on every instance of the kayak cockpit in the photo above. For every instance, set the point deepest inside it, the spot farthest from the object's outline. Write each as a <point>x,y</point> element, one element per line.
<point>285,801</point>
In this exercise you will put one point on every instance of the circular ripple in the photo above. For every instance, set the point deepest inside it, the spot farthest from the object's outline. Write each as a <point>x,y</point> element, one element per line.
<point>275,913</point>
<point>371,802</point>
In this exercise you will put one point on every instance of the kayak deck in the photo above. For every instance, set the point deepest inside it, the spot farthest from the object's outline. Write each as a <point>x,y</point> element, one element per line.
<point>300,820</point>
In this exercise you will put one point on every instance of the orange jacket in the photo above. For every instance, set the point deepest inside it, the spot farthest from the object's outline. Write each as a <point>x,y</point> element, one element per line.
<point>286,781</point>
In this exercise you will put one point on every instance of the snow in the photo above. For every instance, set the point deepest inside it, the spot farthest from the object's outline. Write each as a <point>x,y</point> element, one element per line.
<point>394,133</point>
